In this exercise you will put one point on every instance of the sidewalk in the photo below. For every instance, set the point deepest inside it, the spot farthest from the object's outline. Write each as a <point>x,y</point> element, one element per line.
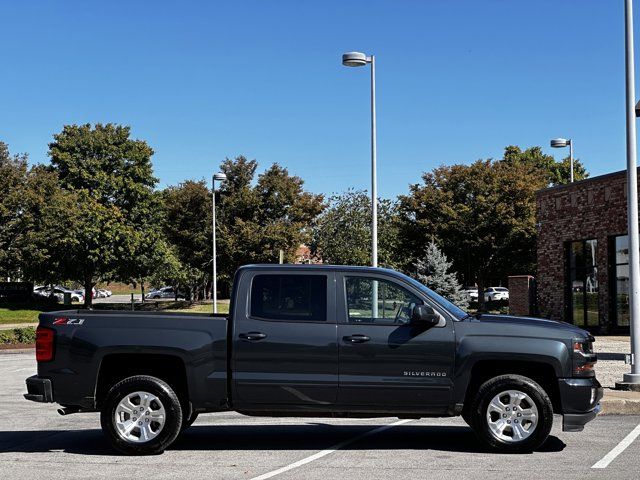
<point>617,402</point>
<point>11,326</point>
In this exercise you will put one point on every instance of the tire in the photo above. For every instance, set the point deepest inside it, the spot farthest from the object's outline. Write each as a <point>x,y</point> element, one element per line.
<point>159,406</point>
<point>503,429</point>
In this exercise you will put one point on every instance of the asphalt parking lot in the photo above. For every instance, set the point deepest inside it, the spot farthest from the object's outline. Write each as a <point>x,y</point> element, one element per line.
<point>35,442</point>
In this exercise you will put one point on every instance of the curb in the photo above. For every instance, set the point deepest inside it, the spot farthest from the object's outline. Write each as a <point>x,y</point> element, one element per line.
<point>617,402</point>
<point>13,351</point>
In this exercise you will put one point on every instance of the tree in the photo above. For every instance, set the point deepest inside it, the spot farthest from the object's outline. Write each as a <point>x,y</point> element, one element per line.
<point>342,234</point>
<point>256,221</point>
<point>187,227</point>
<point>34,217</point>
<point>482,215</point>
<point>434,271</point>
<point>13,175</point>
<point>111,178</point>
<point>552,172</point>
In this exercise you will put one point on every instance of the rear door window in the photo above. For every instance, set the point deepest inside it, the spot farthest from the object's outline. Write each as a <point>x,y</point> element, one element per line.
<point>289,297</point>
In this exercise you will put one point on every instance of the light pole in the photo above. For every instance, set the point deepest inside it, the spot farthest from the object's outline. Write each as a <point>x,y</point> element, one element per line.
<point>561,143</point>
<point>632,380</point>
<point>358,59</point>
<point>221,177</point>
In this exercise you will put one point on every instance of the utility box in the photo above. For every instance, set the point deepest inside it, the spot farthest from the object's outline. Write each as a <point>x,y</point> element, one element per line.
<point>67,298</point>
<point>522,295</point>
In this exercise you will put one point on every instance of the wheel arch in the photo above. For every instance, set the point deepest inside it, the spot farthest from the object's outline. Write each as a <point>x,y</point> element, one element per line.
<point>541,372</point>
<point>118,366</point>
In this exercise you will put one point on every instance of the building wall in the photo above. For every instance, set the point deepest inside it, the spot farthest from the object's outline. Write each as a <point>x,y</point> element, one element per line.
<point>593,208</point>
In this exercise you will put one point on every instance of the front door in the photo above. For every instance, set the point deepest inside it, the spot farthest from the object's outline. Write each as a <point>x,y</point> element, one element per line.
<point>284,340</point>
<point>385,361</point>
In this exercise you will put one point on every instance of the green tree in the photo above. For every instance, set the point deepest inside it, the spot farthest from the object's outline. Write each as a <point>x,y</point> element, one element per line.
<point>187,227</point>
<point>433,269</point>
<point>112,180</point>
<point>34,217</point>
<point>13,177</point>
<point>482,215</point>
<point>552,172</point>
<point>342,234</point>
<point>256,221</point>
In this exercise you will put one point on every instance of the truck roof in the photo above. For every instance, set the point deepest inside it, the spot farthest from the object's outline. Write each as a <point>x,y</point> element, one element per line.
<point>316,266</point>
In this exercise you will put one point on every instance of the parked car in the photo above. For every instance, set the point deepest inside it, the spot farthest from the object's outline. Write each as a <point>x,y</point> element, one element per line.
<point>472,292</point>
<point>75,295</point>
<point>496,294</point>
<point>57,292</point>
<point>46,292</point>
<point>304,338</point>
<point>164,292</point>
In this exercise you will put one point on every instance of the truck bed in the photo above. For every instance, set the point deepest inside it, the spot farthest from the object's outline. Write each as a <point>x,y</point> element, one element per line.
<point>85,340</point>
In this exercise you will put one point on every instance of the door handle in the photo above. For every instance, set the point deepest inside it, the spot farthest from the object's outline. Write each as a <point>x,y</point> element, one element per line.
<point>357,338</point>
<point>252,336</point>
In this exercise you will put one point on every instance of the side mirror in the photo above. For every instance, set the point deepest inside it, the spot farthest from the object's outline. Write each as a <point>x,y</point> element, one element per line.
<point>424,315</point>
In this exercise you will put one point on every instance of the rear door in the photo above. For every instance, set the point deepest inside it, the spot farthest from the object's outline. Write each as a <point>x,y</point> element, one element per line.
<point>385,361</point>
<point>285,350</point>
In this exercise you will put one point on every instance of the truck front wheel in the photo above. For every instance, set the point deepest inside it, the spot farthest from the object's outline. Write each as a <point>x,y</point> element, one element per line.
<point>512,413</point>
<point>141,415</point>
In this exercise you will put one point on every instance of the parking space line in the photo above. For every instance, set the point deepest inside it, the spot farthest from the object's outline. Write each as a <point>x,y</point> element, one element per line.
<point>618,449</point>
<point>328,451</point>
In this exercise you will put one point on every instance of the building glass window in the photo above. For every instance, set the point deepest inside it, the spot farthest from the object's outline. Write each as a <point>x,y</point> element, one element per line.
<point>620,284</point>
<point>583,283</point>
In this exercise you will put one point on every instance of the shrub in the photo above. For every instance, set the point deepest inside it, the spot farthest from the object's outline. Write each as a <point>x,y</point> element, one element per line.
<point>18,335</point>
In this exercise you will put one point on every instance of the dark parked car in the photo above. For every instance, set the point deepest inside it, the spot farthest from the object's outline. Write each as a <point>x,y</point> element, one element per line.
<point>317,340</point>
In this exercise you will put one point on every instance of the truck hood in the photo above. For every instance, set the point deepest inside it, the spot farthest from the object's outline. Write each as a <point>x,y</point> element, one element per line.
<point>555,325</point>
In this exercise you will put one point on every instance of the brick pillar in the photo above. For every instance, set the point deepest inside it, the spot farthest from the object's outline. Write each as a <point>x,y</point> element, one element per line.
<point>521,295</point>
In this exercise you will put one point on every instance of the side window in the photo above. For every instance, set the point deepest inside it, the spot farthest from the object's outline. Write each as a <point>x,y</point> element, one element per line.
<point>289,297</point>
<point>371,300</point>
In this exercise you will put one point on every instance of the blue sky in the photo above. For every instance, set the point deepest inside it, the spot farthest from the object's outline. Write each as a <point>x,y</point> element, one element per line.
<point>201,81</point>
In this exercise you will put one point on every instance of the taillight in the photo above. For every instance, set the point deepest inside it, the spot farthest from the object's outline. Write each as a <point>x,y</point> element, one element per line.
<point>44,344</point>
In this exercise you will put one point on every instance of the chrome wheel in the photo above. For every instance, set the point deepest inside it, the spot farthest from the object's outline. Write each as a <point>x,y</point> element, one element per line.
<point>139,417</point>
<point>512,416</point>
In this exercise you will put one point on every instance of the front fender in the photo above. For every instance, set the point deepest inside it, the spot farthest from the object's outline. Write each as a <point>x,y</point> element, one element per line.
<point>474,349</point>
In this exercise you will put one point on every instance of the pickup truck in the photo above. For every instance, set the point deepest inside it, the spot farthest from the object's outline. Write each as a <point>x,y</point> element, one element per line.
<point>317,341</point>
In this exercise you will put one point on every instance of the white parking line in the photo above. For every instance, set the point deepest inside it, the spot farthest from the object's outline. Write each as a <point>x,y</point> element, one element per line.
<point>618,449</point>
<point>328,451</point>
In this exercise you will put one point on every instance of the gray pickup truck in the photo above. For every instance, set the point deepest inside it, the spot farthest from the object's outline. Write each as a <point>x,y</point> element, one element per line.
<point>317,341</point>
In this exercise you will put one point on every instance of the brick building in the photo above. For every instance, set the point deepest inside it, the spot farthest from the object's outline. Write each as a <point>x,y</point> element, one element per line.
<point>583,271</point>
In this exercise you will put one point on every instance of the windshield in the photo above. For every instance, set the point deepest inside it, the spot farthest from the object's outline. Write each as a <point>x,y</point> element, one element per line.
<point>450,307</point>
<point>500,289</point>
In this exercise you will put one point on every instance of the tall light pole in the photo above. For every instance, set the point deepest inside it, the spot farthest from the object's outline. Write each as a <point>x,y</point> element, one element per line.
<point>563,142</point>
<point>220,177</point>
<point>358,59</point>
<point>632,380</point>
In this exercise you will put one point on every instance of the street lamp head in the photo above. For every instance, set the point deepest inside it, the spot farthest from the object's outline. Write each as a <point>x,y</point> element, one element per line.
<point>560,142</point>
<point>354,59</point>
<point>219,177</point>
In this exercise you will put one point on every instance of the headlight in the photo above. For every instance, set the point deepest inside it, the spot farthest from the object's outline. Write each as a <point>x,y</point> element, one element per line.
<point>584,359</point>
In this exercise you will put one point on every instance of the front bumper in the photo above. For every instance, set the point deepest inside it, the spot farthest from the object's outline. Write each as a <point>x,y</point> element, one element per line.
<point>39,390</point>
<point>579,398</point>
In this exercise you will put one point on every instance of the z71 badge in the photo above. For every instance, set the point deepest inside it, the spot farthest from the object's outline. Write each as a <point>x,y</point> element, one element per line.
<point>68,321</point>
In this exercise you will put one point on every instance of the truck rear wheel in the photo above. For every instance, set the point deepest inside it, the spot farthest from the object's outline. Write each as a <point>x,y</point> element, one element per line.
<point>512,413</point>
<point>141,415</point>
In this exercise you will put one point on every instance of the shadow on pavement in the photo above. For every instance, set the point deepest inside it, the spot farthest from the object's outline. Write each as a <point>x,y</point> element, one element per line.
<point>267,437</point>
